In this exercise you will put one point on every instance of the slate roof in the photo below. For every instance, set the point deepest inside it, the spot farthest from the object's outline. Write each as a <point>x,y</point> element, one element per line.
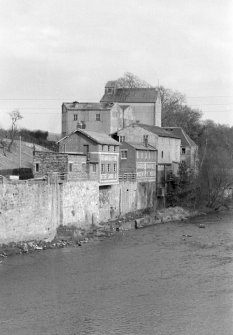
<point>87,105</point>
<point>141,146</point>
<point>100,138</point>
<point>131,95</point>
<point>185,139</point>
<point>157,130</point>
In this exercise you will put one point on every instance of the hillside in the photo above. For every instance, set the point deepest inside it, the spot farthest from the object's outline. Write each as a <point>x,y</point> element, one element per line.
<point>11,160</point>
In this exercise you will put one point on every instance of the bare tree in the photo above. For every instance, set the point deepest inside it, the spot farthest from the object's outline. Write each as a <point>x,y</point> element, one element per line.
<point>15,117</point>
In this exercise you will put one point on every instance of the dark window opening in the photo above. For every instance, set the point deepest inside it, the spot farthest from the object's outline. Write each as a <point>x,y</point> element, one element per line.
<point>70,167</point>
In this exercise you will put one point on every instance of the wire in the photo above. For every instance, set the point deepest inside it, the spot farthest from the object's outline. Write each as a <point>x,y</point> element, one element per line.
<point>72,99</point>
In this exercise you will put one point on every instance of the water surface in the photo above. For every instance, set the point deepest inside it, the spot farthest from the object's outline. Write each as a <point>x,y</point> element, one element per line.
<point>147,281</point>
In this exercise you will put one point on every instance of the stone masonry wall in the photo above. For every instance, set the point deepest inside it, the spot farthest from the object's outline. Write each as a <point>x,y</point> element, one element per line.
<point>49,162</point>
<point>34,210</point>
<point>124,198</point>
<point>80,203</point>
<point>28,211</point>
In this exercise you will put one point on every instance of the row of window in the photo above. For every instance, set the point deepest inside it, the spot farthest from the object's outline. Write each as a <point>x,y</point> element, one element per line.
<point>97,117</point>
<point>109,147</point>
<point>140,154</point>
<point>145,139</point>
<point>146,154</point>
<point>108,168</point>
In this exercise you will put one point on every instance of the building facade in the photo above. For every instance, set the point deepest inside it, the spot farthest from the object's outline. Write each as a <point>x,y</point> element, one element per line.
<point>167,144</point>
<point>138,160</point>
<point>101,150</point>
<point>145,102</point>
<point>100,117</point>
<point>188,148</point>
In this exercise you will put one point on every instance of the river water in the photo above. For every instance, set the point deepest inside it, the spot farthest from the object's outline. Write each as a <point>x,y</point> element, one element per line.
<point>139,282</point>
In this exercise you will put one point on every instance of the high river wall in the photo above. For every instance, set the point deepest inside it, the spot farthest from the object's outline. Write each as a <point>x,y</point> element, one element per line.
<point>31,210</point>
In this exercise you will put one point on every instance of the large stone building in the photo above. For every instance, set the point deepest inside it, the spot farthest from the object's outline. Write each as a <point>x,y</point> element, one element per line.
<point>99,117</point>
<point>101,150</point>
<point>146,102</point>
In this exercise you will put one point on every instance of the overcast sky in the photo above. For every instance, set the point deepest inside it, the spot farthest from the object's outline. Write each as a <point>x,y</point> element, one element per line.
<point>64,50</point>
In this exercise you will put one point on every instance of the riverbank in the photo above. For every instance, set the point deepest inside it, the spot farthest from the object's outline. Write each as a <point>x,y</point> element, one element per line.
<point>71,236</point>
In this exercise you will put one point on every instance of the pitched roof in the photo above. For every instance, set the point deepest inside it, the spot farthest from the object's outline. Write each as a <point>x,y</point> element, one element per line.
<point>141,146</point>
<point>131,95</point>
<point>100,138</point>
<point>157,130</point>
<point>185,139</point>
<point>87,105</point>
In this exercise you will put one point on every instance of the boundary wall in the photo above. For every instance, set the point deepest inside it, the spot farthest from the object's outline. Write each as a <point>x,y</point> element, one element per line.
<point>32,210</point>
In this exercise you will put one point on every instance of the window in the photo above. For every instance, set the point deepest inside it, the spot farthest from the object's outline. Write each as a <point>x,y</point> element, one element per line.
<point>97,117</point>
<point>145,140</point>
<point>94,167</point>
<point>123,154</point>
<point>115,167</point>
<point>183,151</point>
<point>75,117</point>
<point>70,166</point>
<point>109,148</point>
<point>114,147</point>
<point>109,90</point>
<point>162,154</point>
<point>37,167</point>
<point>109,167</point>
<point>122,139</point>
<point>102,168</point>
<point>102,147</point>
<point>137,154</point>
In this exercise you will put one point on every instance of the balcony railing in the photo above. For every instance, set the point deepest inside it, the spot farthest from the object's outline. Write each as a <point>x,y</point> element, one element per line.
<point>127,176</point>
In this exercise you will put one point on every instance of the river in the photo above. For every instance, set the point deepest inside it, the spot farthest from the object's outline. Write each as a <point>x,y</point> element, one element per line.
<point>140,282</point>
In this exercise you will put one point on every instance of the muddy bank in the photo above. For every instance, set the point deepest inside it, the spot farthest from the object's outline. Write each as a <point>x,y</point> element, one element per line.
<point>75,237</point>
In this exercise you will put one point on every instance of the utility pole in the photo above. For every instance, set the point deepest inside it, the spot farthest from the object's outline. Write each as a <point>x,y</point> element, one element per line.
<point>19,152</point>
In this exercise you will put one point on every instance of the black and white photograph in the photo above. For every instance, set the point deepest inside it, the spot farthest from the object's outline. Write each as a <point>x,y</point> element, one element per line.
<point>116,167</point>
